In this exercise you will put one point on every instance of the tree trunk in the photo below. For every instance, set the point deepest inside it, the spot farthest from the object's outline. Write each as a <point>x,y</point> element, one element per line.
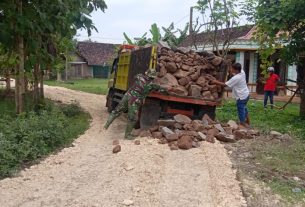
<point>302,104</point>
<point>41,91</point>
<point>8,81</point>
<point>59,76</point>
<point>36,83</point>
<point>19,82</point>
<point>301,83</point>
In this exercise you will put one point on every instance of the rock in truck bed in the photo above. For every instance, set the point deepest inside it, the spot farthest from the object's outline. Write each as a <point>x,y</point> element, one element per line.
<point>189,74</point>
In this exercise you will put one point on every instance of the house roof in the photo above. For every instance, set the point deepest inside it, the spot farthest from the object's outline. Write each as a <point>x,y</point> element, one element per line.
<point>96,53</point>
<point>241,32</point>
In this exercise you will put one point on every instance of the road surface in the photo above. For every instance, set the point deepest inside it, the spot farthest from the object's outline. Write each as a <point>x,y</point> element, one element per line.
<point>145,175</point>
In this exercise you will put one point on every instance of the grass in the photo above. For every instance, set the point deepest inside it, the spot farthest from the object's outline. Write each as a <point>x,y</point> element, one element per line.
<point>279,160</point>
<point>286,121</point>
<point>94,85</point>
<point>28,137</point>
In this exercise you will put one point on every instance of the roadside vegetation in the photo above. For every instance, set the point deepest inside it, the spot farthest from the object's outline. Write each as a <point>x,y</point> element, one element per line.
<point>280,163</point>
<point>94,85</point>
<point>32,135</point>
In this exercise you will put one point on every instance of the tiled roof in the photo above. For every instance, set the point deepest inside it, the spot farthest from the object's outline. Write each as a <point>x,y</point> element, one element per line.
<point>204,37</point>
<point>96,53</point>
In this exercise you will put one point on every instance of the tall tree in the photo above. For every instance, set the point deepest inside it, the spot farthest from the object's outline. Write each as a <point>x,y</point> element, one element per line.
<point>218,15</point>
<point>28,28</point>
<point>281,24</point>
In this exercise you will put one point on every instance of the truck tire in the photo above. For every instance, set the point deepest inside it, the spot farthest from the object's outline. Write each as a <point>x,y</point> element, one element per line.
<point>110,104</point>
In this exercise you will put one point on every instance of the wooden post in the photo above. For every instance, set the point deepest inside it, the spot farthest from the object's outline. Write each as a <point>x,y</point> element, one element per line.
<point>191,21</point>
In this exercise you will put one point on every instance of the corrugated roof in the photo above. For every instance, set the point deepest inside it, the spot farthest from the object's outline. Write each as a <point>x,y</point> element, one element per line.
<point>96,53</point>
<point>204,37</point>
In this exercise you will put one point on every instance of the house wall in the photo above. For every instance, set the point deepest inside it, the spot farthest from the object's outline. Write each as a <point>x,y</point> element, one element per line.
<point>77,69</point>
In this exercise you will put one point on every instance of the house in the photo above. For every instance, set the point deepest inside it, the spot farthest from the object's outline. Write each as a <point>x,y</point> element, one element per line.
<point>91,60</point>
<point>245,51</point>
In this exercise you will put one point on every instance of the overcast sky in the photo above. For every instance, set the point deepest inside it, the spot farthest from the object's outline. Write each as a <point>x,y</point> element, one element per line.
<point>135,18</point>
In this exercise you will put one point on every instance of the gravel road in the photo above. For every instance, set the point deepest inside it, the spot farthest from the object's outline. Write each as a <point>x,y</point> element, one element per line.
<point>145,175</point>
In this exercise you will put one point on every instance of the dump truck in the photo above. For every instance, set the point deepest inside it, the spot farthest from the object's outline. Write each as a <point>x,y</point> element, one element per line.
<point>131,62</point>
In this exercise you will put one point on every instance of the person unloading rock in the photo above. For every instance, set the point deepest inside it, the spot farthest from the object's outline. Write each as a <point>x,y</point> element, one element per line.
<point>133,99</point>
<point>240,92</point>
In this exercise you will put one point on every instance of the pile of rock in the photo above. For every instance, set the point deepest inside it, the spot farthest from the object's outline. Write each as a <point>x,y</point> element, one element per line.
<point>190,73</point>
<point>183,133</point>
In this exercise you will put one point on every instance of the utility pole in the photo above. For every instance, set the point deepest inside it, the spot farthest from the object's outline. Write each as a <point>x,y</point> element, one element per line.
<point>191,21</point>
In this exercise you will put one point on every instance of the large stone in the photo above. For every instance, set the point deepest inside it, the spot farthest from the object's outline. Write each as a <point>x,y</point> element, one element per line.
<point>224,137</point>
<point>219,127</point>
<point>154,128</point>
<point>213,88</point>
<point>137,142</point>
<point>179,90</point>
<point>172,137</point>
<point>178,126</point>
<point>182,119</point>
<point>157,135</point>
<point>198,125</point>
<point>275,134</point>
<point>185,142</point>
<point>167,81</point>
<point>162,72</point>
<point>185,67</point>
<point>213,132</point>
<point>166,122</point>
<point>182,133</point>
<point>253,132</point>
<point>183,81</point>
<point>233,124</point>
<point>181,74</point>
<point>207,119</point>
<point>171,67</point>
<point>188,127</point>
<point>201,136</point>
<point>195,91</point>
<point>136,132</point>
<point>145,133</point>
<point>116,149</point>
<point>228,130</point>
<point>195,144</point>
<point>207,95</point>
<point>241,134</point>
<point>166,131</point>
<point>201,81</point>
<point>195,76</point>
<point>217,61</point>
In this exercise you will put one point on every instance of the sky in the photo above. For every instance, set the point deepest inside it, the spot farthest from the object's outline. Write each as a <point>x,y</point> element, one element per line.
<point>134,17</point>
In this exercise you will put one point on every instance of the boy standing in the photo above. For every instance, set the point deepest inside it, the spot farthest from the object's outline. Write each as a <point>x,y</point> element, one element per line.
<point>270,86</point>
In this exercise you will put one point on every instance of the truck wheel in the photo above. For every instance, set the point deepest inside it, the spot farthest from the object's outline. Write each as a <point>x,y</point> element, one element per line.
<point>110,104</point>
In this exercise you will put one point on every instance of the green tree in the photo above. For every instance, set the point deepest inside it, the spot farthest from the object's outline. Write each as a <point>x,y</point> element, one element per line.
<point>217,15</point>
<point>281,24</point>
<point>170,35</point>
<point>28,29</point>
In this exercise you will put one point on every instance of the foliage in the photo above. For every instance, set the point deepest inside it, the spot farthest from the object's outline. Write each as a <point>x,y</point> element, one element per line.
<point>33,135</point>
<point>37,33</point>
<point>71,110</point>
<point>216,15</point>
<point>281,23</point>
<point>170,36</point>
<point>94,85</point>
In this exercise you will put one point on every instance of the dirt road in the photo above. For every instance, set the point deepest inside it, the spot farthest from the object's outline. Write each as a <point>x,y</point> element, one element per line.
<point>147,175</point>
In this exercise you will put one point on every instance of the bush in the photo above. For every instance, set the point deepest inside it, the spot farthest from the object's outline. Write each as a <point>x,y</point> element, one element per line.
<point>33,135</point>
<point>71,110</point>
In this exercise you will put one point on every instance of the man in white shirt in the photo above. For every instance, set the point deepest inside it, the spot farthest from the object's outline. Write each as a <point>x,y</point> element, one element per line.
<point>240,92</point>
